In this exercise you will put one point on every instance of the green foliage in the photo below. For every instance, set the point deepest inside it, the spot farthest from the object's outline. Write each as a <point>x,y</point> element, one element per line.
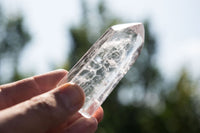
<point>13,39</point>
<point>178,114</point>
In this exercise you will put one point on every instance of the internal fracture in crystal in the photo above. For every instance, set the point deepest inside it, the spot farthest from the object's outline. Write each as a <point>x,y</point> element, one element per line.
<point>105,63</point>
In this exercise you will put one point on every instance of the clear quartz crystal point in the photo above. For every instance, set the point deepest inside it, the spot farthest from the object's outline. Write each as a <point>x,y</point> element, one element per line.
<point>105,63</point>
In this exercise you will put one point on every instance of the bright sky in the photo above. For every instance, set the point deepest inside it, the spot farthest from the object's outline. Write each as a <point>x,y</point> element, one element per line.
<point>174,22</point>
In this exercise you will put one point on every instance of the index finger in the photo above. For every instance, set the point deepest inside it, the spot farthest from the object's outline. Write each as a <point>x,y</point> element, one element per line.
<point>13,93</point>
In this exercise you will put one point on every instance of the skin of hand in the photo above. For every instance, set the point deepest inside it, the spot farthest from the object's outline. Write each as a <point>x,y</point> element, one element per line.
<point>36,105</point>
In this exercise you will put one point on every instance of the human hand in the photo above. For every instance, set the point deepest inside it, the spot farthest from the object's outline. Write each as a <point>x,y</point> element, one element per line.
<point>36,105</point>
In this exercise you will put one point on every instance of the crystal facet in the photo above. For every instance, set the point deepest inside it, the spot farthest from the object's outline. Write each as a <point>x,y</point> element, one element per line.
<point>105,63</point>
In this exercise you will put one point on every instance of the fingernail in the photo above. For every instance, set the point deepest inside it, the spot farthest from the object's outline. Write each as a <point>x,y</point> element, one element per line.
<point>72,96</point>
<point>99,114</point>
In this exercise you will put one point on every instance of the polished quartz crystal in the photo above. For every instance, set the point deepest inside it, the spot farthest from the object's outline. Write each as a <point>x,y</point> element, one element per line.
<point>105,63</point>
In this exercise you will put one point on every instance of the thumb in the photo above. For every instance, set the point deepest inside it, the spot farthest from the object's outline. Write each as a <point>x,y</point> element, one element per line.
<point>43,112</point>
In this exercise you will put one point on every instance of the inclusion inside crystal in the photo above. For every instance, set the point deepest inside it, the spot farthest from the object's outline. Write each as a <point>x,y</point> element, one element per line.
<point>105,63</point>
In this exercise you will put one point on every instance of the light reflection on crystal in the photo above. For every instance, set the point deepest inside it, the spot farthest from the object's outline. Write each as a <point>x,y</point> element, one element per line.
<point>105,64</point>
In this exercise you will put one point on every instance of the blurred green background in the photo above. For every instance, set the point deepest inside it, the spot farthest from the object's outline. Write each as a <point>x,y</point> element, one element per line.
<point>145,101</point>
